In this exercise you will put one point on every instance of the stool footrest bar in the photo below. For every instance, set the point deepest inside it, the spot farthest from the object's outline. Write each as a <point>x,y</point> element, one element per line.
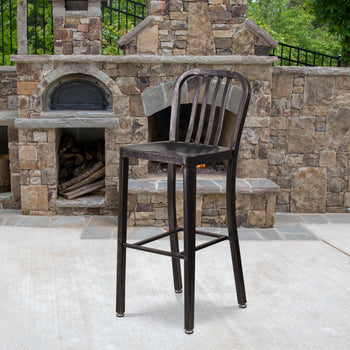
<point>210,234</point>
<point>156,251</point>
<point>208,244</point>
<point>154,238</point>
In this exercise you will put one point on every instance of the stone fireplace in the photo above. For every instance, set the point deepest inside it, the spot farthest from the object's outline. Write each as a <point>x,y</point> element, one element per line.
<point>117,98</point>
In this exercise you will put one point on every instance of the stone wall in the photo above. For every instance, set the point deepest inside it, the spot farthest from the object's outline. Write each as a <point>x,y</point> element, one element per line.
<point>77,32</point>
<point>296,132</point>
<point>128,78</point>
<point>173,26</point>
<point>8,89</point>
<point>8,113</point>
<point>255,203</point>
<point>309,150</point>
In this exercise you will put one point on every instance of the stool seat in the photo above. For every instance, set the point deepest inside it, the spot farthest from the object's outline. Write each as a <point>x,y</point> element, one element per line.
<point>175,152</point>
<point>202,145</point>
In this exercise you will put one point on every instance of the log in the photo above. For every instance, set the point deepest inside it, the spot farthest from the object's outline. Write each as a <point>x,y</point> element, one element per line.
<point>79,159</point>
<point>85,190</point>
<point>66,156</point>
<point>66,144</point>
<point>77,171</point>
<point>68,164</point>
<point>80,177</point>
<point>76,149</point>
<point>89,151</point>
<point>5,178</point>
<point>100,152</point>
<point>99,192</point>
<point>93,177</point>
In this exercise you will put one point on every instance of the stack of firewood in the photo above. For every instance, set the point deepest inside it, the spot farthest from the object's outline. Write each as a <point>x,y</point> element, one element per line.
<point>82,169</point>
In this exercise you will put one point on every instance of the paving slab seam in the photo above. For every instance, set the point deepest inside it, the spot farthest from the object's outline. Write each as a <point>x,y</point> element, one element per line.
<point>333,246</point>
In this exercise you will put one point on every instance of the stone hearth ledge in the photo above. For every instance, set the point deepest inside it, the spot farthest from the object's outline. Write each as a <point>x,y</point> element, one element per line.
<point>243,186</point>
<point>70,119</point>
<point>8,117</point>
<point>185,59</point>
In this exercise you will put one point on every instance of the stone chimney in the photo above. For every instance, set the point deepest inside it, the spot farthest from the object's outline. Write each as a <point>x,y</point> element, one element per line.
<point>196,27</point>
<point>77,27</point>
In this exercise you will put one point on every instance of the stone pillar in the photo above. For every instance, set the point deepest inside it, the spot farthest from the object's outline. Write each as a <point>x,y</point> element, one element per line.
<point>77,30</point>
<point>239,10</point>
<point>22,41</point>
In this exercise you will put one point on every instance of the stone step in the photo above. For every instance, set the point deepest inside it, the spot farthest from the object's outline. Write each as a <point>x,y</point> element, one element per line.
<point>256,201</point>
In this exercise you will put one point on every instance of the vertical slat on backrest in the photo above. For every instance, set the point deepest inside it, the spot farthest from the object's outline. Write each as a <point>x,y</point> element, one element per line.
<point>212,111</point>
<point>194,109</point>
<point>241,113</point>
<point>222,110</point>
<point>203,109</point>
<point>175,106</point>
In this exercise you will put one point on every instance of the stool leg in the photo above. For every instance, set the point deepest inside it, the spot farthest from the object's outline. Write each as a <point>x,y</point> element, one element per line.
<point>122,227</point>
<point>174,240</point>
<point>233,234</point>
<point>189,193</point>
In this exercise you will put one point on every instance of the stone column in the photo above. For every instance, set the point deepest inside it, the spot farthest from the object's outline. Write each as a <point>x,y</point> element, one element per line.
<point>22,41</point>
<point>77,31</point>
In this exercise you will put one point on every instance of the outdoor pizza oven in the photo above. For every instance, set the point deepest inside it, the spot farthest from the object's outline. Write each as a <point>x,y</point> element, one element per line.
<point>78,94</point>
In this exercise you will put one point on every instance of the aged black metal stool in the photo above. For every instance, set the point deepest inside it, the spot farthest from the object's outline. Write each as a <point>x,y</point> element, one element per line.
<point>213,90</point>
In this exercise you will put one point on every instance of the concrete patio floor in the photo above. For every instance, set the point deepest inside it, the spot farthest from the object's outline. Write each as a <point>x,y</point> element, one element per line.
<point>57,288</point>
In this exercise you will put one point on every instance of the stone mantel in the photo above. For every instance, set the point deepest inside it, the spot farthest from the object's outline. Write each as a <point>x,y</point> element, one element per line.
<point>70,119</point>
<point>335,71</point>
<point>151,59</point>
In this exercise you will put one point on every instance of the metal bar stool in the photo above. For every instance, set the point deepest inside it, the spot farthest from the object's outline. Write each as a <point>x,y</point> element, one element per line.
<point>214,91</point>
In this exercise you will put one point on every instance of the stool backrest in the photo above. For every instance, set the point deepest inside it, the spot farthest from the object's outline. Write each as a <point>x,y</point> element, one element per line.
<point>213,90</point>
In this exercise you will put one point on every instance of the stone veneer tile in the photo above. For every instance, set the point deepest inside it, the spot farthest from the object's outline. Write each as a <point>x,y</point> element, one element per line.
<point>295,229</point>
<point>69,221</point>
<point>313,218</point>
<point>246,234</point>
<point>138,185</point>
<point>269,234</point>
<point>98,233</point>
<point>282,219</point>
<point>263,185</point>
<point>35,221</point>
<point>338,218</point>
<point>208,186</point>
<point>298,237</point>
<point>12,220</point>
<point>105,221</point>
<point>138,233</point>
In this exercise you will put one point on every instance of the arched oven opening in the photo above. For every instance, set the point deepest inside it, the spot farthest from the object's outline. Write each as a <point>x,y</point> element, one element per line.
<point>78,94</point>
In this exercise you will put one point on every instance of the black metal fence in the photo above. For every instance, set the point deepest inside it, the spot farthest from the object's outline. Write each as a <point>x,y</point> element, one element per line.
<point>289,55</point>
<point>8,30</point>
<point>119,17</point>
<point>39,28</point>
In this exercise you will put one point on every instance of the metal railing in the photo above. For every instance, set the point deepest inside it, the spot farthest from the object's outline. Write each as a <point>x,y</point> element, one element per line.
<point>289,55</point>
<point>39,29</point>
<point>8,30</point>
<point>119,17</point>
